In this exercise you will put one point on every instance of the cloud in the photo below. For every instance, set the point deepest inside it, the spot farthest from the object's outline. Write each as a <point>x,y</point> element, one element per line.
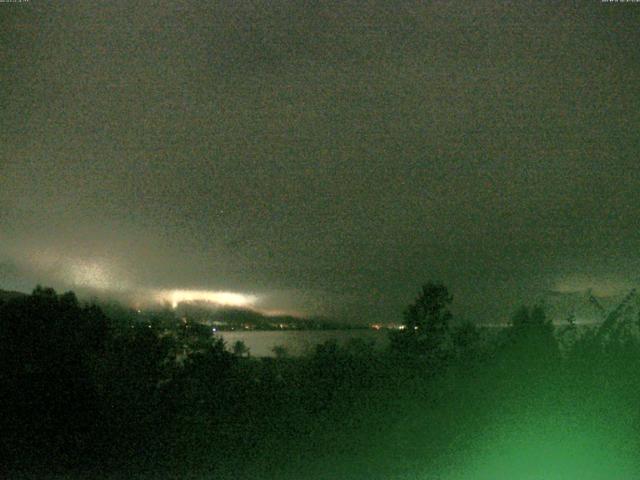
<point>335,156</point>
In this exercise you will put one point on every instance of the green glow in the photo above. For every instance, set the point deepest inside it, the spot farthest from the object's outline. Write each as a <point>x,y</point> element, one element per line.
<point>550,447</point>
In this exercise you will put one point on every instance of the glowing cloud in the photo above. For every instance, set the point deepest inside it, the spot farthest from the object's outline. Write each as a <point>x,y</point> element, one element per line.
<point>88,274</point>
<point>599,285</point>
<point>226,299</point>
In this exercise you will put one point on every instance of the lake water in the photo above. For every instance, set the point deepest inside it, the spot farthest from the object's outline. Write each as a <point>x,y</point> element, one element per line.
<point>299,342</point>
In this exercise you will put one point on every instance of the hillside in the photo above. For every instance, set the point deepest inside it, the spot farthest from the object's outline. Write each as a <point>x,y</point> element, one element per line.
<point>6,295</point>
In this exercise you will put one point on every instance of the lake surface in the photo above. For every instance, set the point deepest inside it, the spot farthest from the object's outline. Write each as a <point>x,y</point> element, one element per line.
<point>299,342</point>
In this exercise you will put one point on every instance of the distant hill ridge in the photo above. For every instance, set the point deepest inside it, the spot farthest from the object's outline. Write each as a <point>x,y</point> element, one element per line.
<point>225,317</point>
<point>6,295</point>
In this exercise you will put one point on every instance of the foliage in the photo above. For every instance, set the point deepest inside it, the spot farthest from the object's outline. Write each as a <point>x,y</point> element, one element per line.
<point>127,392</point>
<point>426,325</point>
<point>240,349</point>
<point>280,351</point>
<point>532,333</point>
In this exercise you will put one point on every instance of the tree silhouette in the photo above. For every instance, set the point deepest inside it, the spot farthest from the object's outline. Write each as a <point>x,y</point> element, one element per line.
<point>240,349</point>
<point>280,351</point>
<point>426,323</point>
<point>48,344</point>
<point>531,337</point>
<point>467,342</point>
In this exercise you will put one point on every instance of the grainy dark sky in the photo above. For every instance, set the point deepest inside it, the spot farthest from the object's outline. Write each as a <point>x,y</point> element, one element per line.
<point>326,156</point>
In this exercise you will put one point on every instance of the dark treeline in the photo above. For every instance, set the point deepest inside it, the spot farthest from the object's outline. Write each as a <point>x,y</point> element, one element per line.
<point>83,390</point>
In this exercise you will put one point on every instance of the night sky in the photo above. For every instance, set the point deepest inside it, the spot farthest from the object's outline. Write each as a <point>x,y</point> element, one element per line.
<point>326,157</point>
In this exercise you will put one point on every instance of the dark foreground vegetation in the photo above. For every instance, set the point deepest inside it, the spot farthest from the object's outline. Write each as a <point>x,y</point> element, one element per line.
<point>84,394</point>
